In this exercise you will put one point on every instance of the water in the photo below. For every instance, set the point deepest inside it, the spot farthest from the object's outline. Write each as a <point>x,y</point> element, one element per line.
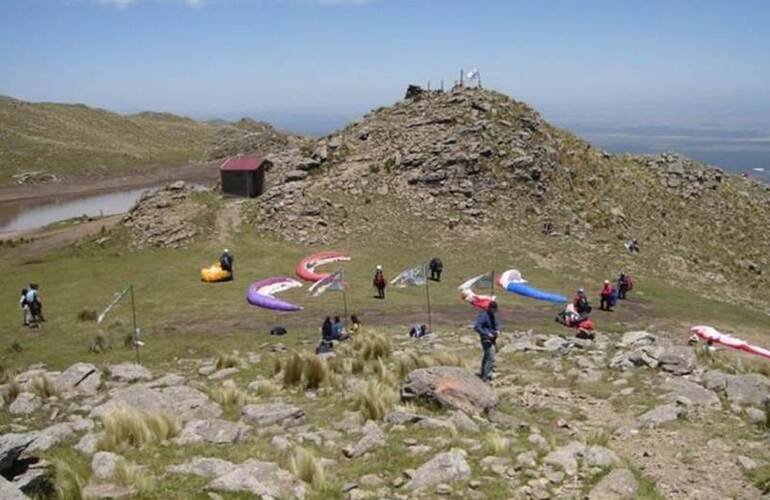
<point>23,216</point>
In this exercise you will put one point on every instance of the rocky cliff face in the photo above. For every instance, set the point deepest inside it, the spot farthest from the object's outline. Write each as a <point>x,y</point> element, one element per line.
<point>474,158</point>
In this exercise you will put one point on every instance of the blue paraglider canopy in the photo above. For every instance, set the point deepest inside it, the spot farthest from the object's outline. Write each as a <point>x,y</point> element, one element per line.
<point>512,281</point>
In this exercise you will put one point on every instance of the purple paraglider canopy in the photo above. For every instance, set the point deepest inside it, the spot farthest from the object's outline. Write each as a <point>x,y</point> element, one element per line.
<point>261,294</point>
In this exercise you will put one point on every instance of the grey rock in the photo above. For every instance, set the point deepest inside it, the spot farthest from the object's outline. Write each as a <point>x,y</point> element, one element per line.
<point>698,395</point>
<point>296,175</point>
<point>80,378</point>
<point>599,456</point>
<point>51,436</point>
<point>273,413</point>
<point>756,416</point>
<point>88,443</point>
<point>223,373</point>
<point>9,491</point>
<point>445,467</point>
<point>213,430</point>
<point>183,402</point>
<point>463,422</point>
<point>168,380</point>
<point>679,360</point>
<point>751,389</point>
<point>620,484</point>
<point>11,446</point>
<point>746,463</point>
<point>566,457</point>
<point>130,372</point>
<point>103,465</point>
<point>450,387</point>
<point>404,418</point>
<point>259,478</point>
<point>636,339</point>
<point>203,467</point>
<point>661,415</point>
<point>714,380</point>
<point>373,437</point>
<point>25,404</point>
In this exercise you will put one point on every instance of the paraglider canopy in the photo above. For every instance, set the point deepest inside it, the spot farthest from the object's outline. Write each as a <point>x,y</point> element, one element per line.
<point>262,294</point>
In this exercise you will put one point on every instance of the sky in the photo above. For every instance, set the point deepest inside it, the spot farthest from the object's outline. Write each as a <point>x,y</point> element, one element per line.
<point>318,63</point>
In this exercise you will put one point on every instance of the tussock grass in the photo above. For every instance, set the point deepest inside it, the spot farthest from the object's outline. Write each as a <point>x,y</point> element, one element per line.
<point>376,346</point>
<point>384,374</point>
<point>414,361</point>
<point>316,372</point>
<point>68,483</point>
<point>11,392</point>
<point>357,366</point>
<point>267,388</point>
<point>761,478</point>
<point>44,387</point>
<point>133,476</point>
<point>292,371</point>
<point>308,468</point>
<point>87,315</point>
<point>376,400</point>
<point>495,444</point>
<point>99,344</point>
<point>598,437</point>
<point>228,361</point>
<point>128,427</point>
<point>230,395</point>
<point>277,366</point>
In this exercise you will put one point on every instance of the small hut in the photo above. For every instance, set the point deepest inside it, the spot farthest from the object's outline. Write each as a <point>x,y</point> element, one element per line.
<point>244,175</point>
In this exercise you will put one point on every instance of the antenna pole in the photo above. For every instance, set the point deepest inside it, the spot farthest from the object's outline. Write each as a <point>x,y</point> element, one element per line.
<point>462,75</point>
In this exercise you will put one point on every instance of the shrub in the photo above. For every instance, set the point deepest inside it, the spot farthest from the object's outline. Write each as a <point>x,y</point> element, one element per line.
<point>132,476</point>
<point>228,361</point>
<point>99,344</point>
<point>87,315</point>
<point>124,426</point>
<point>267,388</point>
<point>383,373</point>
<point>495,444</point>
<point>44,387</point>
<point>230,395</point>
<point>11,392</point>
<point>69,484</point>
<point>308,468</point>
<point>376,346</point>
<point>376,400</point>
<point>292,372</point>
<point>316,372</point>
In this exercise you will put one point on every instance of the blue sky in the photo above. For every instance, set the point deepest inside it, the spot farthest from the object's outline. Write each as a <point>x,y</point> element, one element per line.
<point>675,63</point>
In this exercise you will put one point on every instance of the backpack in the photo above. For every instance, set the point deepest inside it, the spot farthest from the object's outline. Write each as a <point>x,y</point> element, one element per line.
<point>278,330</point>
<point>324,347</point>
<point>630,282</point>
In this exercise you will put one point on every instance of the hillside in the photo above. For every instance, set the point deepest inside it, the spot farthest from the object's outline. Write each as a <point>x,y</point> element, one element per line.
<point>476,164</point>
<point>64,138</point>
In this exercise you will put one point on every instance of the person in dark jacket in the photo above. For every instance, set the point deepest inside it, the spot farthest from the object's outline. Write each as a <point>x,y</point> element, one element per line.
<point>226,262</point>
<point>623,286</point>
<point>488,329</point>
<point>327,330</point>
<point>379,282</point>
<point>436,267</point>
<point>580,301</point>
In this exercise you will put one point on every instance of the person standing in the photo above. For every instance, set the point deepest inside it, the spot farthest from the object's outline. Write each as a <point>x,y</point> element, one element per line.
<point>488,329</point>
<point>35,305</point>
<point>24,307</point>
<point>226,261</point>
<point>624,285</point>
<point>608,291</point>
<point>436,267</point>
<point>379,282</point>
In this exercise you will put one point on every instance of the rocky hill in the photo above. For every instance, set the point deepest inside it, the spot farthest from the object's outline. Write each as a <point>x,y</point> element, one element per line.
<point>471,158</point>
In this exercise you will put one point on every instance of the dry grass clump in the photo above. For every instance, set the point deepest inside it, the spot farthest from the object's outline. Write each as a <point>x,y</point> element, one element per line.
<point>292,371</point>
<point>376,346</point>
<point>357,366</point>
<point>230,395</point>
<point>277,366</point>
<point>87,315</point>
<point>495,444</point>
<point>267,388</point>
<point>316,372</point>
<point>308,468</point>
<point>44,387</point>
<point>133,476</point>
<point>228,361</point>
<point>376,400</point>
<point>11,392</point>
<point>129,427</point>
<point>414,361</point>
<point>68,483</point>
<point>384,374</point>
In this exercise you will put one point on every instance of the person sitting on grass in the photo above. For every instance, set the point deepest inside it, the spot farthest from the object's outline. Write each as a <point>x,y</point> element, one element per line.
<point>417,331</point>
<point>581,303</point>
<point>338,330</point>
<point>356,327</point>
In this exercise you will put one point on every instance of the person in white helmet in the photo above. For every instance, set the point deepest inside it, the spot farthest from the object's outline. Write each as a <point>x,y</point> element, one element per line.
<point>226,262</point>
<point>379,282</point>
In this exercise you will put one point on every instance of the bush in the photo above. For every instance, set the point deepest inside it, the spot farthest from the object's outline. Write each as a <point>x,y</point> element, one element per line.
<point>376,346</point>
<point>228,361</point>
<point>68,483</point>
<point>230,395</point>
<point>306,467</point>
<point>376,400</point>
<point>316,372</point>
<point>383,373</point>
<point>124,426</point>
<point>495,444</point>
<point>11,392</point>
<point>292,372</point>
<point>87,315</point>
<point>132,476</point>
<point>267,388</point>
<point>44,387</point>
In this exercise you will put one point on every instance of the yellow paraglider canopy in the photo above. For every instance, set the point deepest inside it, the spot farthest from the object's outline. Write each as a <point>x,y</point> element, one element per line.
<point>215,273</point>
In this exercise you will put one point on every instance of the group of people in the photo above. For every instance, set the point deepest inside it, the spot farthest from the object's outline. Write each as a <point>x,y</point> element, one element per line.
<point>31,306</point>
<point>379,282</point>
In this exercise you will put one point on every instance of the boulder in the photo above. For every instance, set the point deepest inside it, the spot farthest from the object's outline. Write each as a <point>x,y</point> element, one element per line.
<point>206,467</point>
<point>450,387</point>
<point>36,480</point>
<point>696,394</point>
<point>620,484</point>
<point>107,491</point>
<point>373,437</point>
<point>53,435</point>
<point>463,422</point>
<point>566,457</point>
<point>751,389</point>
<point>80,378</point>
<point>259,478</point>
<point>661,415</point>
<point>88,443</point>
<point>213,430</point>
<point>296,175</point>
<point>632,340</point>
<point>183,402</point>
<point>103,465</point>
<point>9,491</point>
<point>25,404</point>
<point>679,360</point>
<point>168,380</point>
<point>599,456</point>
<point>273,413</point>
<point>443,468</point>
<point>130,372</point>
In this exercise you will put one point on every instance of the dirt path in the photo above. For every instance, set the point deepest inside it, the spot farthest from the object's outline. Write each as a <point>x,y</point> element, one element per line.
<point>228,220</point>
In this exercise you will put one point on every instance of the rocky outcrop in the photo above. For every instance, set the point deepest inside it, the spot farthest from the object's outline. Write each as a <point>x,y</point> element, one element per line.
<point>182,402</point>
<point>263,479</point>
<point>620,484</point>
<point>445,467</point>
<point>214,431</point>
<point>273,413</point>
<point>449,387</point>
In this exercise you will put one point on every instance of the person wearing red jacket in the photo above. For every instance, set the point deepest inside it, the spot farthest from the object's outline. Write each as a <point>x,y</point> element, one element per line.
<point>607,293</point>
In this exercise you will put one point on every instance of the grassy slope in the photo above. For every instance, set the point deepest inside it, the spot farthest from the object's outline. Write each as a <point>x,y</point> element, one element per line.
<point>64,138</point>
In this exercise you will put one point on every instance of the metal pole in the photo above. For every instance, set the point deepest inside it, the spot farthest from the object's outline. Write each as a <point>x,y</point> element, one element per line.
<point>136,331</point>
<point>427,295</point>
<point>492,285</point>
<point>345,305</point>
<point>461,77</point>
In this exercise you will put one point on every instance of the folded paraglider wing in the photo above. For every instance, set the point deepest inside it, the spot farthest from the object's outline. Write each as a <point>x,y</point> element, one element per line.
<point>262,294</point>
<point>512,281</point>
<point>215,273</point>
<point>711,334</point>
<point>477,300</point>
<point>306,267</point>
